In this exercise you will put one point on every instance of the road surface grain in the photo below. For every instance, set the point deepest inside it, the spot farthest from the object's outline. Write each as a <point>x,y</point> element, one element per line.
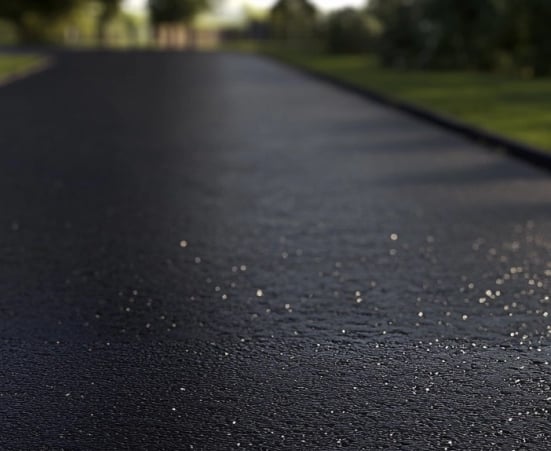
<point>210,251</point>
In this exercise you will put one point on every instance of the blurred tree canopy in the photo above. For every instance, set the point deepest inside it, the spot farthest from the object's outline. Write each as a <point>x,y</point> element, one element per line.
<point>175,11</point>
<point>293,20</point>
<point>505,35</point>
<point>15,10</point>
<point>172,21</point>
<point>349,30</point>
<point>109,9</point>
<point>30,16</point>
<point>527,35</point>
<point>461,33</point>
<point>35,19</point>
<point>401,40</point>
<point>465,34</point>
<point>89,21</point>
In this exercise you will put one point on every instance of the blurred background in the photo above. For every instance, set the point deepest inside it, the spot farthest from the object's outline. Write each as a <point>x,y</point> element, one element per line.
<point>486,62</point>
<point>505,35</point>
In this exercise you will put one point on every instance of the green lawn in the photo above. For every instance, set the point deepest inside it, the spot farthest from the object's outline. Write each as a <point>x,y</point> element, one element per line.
<point>17,64</point>
<point>517,108</point>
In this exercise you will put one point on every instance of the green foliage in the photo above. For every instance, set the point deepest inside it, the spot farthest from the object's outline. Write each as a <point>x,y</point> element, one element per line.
<point>15,10</point>
<point>72,22</point>
<point>172,11</point>
<point>8,33</point>
<point>109,9</point>
<point>31,16</point>
<point>460,33</point>
<point>403,35</point>
<point>294,21</point>
<point>527,36</point>
<point>466,34</point>
<point>349,31</point>
<point>11,65</point>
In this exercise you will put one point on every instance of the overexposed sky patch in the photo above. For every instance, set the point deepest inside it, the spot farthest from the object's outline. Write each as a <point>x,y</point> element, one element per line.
<point>233,5</point>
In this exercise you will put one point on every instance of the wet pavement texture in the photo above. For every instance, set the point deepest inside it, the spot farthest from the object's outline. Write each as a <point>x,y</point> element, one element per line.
<point>213,251</point>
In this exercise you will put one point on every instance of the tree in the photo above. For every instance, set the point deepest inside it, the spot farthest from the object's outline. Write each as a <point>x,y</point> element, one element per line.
<point>461,33</point>
<point>442,34</point>
<point>30,17</point>
<point>348,30</point>
<point>402,39</point>
<point>526,35</point>
<point>109,9</point>
<point>174,13</point>
<point>465,34</point>
<point>293,21</point>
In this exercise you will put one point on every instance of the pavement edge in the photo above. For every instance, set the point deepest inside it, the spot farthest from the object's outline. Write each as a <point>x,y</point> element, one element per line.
<point>46,63</point>
<point>492,141</point>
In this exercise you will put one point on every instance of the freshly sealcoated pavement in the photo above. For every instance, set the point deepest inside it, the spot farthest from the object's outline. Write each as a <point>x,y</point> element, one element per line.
<point>212,251</point>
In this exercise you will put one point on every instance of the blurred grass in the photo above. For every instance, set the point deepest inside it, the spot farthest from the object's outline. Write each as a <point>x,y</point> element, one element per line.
<point>511,106</point>
<point>13,65</point>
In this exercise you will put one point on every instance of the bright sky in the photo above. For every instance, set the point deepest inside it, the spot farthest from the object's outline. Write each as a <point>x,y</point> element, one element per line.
<point>235,7</point>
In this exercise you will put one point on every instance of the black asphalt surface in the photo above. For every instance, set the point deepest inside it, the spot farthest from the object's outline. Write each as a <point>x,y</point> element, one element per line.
<point>350,276</point>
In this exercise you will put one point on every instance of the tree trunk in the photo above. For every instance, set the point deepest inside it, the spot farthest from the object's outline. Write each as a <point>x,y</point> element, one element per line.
<point>101,35</point>
<point>192,37</point>
<point>26,35</point>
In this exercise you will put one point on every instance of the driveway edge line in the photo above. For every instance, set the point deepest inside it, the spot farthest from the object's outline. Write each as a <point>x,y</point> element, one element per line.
<point>493,141</point>
<point>46,63</point>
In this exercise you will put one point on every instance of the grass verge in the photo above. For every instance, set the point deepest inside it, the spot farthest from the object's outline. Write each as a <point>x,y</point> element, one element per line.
<point>18,65</point>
